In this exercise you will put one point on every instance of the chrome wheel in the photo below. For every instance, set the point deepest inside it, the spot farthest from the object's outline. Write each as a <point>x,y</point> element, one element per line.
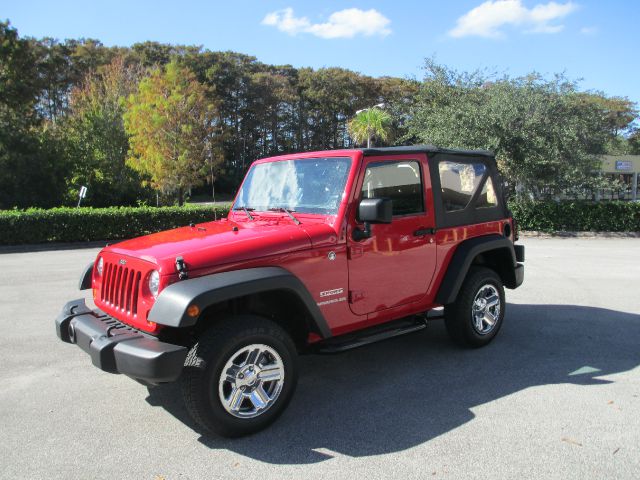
<point>485,309</point>
<point>251,381</point>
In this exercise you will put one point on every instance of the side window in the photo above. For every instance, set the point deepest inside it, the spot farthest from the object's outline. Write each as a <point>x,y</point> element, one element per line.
<point>487,197</point>
<point>399,181</point>
<point>459,182</point>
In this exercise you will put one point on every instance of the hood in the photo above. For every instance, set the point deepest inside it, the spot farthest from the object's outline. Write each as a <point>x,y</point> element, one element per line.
<point>215,243</point>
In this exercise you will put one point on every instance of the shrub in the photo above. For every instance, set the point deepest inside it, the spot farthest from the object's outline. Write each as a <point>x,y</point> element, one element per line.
<point>88,224</point>
<point>577,216</point>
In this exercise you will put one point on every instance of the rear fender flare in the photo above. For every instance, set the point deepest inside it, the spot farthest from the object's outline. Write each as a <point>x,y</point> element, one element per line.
<point>462,259</point>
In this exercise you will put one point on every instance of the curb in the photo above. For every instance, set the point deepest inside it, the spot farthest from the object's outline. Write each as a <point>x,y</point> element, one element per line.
<point>44,247</point>
<point>536,234</point>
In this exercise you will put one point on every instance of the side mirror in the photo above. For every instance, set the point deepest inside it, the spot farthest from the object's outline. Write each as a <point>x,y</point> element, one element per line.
<point>372,210</point>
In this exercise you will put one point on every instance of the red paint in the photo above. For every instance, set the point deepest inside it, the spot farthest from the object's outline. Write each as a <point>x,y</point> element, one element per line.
<point>390,275</point>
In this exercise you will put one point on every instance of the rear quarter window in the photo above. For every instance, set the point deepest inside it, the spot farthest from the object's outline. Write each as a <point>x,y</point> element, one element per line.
<point>466,190</point>
<point>459,182</point>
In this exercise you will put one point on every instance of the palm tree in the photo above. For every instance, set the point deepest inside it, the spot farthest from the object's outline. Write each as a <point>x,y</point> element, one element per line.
<point>370,123</point>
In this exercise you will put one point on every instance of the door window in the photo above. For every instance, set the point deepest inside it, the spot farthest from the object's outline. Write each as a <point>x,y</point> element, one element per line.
<point>399,181</point>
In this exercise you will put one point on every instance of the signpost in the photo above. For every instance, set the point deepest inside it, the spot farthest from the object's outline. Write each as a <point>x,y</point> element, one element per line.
<point>81,194</point>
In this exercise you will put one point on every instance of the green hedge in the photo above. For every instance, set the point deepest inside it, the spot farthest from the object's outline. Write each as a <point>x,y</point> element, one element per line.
<point>87,224</point>
<point>577,216</point>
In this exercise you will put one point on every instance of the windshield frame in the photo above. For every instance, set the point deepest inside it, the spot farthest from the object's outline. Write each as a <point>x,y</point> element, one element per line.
<point>272,209</point>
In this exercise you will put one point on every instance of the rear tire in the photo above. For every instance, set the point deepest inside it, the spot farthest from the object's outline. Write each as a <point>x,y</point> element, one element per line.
<point>475,317</point>
<point>240,376</point>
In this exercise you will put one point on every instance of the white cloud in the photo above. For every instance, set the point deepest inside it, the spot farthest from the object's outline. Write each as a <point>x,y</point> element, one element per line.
<point>342,24</point>
<point>589,30</point>
<point>487,19</point>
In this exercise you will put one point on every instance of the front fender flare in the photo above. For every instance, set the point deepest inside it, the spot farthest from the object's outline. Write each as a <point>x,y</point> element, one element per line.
<point>85,278</point>
<point>170,308</point>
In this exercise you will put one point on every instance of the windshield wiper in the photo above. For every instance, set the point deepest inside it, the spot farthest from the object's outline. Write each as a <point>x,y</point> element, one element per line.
<point>246,210</point>
<point>287,211</point>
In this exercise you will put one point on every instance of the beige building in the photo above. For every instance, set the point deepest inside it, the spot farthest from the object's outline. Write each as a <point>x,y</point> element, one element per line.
<point>626,169</point>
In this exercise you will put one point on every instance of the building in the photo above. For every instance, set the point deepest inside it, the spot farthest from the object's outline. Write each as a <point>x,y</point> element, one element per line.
<point>625,169</point>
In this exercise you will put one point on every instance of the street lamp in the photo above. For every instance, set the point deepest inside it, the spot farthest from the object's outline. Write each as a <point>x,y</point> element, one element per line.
<point>379,105</point>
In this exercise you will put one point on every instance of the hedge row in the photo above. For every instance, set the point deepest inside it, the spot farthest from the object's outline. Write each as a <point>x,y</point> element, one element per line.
<point>577,216</point>
<point>88,224</point>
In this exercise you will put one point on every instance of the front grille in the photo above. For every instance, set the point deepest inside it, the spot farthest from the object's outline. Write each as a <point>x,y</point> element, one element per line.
<point>120,288</point>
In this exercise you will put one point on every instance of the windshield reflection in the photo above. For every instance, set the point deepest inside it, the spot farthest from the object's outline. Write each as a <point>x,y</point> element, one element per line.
<point>314,185</point>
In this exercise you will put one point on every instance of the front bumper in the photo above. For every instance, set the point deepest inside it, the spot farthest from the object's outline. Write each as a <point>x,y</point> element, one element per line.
<point>117,348</point>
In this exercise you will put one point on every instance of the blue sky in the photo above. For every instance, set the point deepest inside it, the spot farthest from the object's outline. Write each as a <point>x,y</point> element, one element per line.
<point>594,40</point>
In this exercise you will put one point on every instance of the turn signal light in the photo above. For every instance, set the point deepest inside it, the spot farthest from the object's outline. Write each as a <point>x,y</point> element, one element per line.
<point>193,311</point>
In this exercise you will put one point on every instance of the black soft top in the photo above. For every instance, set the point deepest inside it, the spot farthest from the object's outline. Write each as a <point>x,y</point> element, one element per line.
<point>425,149</point>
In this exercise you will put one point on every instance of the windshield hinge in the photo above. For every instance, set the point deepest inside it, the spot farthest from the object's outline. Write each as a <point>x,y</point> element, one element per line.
<point>181,267</point>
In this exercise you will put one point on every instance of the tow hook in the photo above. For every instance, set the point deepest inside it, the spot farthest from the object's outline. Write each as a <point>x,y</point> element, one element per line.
<point>181,267</point>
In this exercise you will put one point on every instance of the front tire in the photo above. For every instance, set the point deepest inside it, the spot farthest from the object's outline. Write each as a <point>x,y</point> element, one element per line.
<point>240,376</point>
<point>475,317</point>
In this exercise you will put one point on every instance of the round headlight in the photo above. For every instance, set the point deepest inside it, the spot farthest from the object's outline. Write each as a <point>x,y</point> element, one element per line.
<point>154,282</point>
<point>100,266</point>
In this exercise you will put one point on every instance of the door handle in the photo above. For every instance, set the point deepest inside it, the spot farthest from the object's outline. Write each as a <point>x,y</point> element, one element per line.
<point>424,231</point>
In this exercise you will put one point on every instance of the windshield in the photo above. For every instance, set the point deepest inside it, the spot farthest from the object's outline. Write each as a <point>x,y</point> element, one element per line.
<point>313,185</point>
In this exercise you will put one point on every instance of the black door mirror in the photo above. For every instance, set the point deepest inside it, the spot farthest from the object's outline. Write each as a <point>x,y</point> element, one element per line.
<point>375,210</point>
<point>372,210</point>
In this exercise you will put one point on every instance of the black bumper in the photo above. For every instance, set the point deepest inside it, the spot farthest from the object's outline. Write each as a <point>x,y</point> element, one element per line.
<point>519,251</point>
<point>116,348</point>
<point>519,270</point>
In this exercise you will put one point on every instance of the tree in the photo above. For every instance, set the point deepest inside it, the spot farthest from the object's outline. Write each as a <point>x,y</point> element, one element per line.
<point>398,95</point>
<point>96,141</point>
<point>546,138</point>
<point>634,143</point>
<point>228,76</point>
<point>272,97</point>
<point>370,123</point>
<point>328,98</point>
<point>61,66</point>
<point>172,130</point>
<point>619,113</point>
<point>31,173</point>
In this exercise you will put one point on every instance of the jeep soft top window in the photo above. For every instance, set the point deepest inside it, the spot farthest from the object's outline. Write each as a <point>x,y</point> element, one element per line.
<point>466,189</point>
<point>313,185</point>
<point>459,182</point>
<point>487,198</point>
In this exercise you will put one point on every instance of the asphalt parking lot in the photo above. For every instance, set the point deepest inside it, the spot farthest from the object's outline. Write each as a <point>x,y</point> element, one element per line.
<point>556,395</point>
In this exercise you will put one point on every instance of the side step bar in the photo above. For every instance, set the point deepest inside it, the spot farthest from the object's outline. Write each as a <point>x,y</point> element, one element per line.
<point>372,335</point>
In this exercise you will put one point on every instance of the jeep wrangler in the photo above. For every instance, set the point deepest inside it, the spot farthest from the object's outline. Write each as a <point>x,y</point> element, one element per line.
<point>321,252</point>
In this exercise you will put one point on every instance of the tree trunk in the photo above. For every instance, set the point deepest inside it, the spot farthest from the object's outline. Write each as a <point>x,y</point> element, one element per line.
<point>180,196</point>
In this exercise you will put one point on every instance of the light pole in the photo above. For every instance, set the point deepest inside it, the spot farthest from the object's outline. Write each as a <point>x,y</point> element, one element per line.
<point>379,105</point>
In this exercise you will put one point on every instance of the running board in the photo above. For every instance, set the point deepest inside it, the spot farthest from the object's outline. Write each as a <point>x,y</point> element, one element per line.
<point>375,334</point>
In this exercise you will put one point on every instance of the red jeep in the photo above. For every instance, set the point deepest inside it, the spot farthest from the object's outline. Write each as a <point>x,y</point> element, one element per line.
<point>321,252</point>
